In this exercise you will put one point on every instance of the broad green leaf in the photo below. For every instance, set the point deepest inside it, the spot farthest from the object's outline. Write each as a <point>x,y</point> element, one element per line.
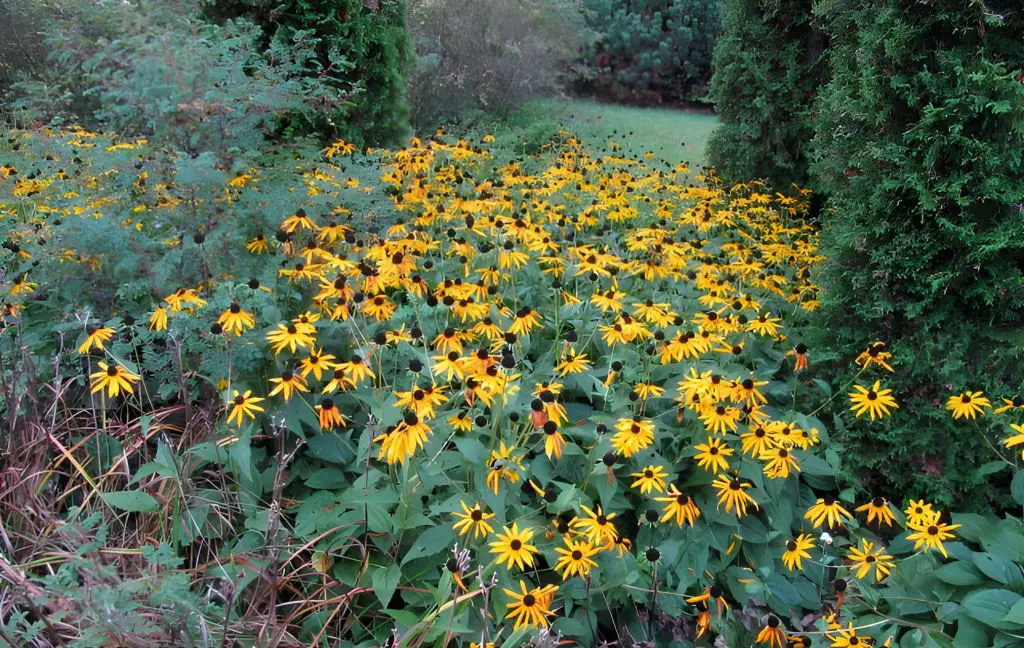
<point>132,501</point>
<point>385,580</point>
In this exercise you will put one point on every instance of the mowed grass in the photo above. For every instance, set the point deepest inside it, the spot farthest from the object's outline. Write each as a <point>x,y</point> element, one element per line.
<point>674,135</point>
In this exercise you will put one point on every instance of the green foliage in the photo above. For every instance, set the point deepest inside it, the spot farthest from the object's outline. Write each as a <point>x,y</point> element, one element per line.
<point>919,148</point>
<point>89,591</point>
<point>224,91</point>
<point>481,55</point>
<point>363,51</point>
<point>767,66</point>
<point>651,51</point>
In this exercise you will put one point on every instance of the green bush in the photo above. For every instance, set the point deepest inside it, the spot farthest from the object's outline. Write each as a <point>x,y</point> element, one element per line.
<point>651,50</point>
<point>362,44</point>
<point>223,91</point>
<point>480,55</point>
<point>768,63</point>
<point>918,146</point>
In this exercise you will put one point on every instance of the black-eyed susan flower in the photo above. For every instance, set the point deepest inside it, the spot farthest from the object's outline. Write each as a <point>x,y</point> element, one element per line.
<point>651,478</point>
<point>877,509</point>
<point>848,638</point>
<point>505,465</point>
<point>876,354</point>
<point>799,353</point>
<point>780,462</point>
<point>713,455</point>
<point>874,401</point>
<point>968,404</point>
<point>513,547</point>
<point>356,370</point>
<point>827,509</point>
<point>554,442</point>
<point>772,634</point>
<point>713,593</point>
<point>473,521</point>
<point>930,532</point>
<point>531,607</point>
<point>679,506</point>
<point>576,558</point>
<point>317,362</point>
<point>243,405</point>
<point>918,511</point>
<point>765,325</point>
<point>287,384</point>
<point>236,320</point>
<point>573,363</point>
<point>720,419</point>
<point>290,336</point>
<point>732,493</point>
<point>1017,439</point>
<point>158,319</point>
<point>756,441</point>
<point>597,526</point>
<point>114,378</point>
<point>865,558</point>
<point>632,435</point>
<point>797,550</point>
<point>95,337</point>
<point>525,321</point>
<point>329,415</point>
<point>1015,403</point>
<point>257,245</point>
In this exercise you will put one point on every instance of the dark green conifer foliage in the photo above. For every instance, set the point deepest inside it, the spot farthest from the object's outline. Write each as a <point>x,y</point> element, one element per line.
<point>768,65</point>
<point>369,35</point>
<point>919,143</point>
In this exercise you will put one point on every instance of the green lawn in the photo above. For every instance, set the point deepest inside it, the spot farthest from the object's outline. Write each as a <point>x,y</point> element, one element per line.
<point>672,134</point>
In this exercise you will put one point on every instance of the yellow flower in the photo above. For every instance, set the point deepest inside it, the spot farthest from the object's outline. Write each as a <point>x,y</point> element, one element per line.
<point>797,549</point>
<point>287,384</point>
<point>576,558</point>
<point>158,320</point>
<point>95,337</point>
<point>290,336</point>
<point>878,509</point>
<point>780,462</point>
<point>678,506</point>
<point>711,456</point>
<point>115,379</point>
<point>513,547</point>
<point>650,478</point>
<point>967,405</point>
<point>930,533</point>
<point>329,415</point>
<point>827,509</point>
<point>917,512</point>
<point>530,607</point>
<point>597,526</point>
<point>875,401</point>
<point>244,405</point>
<point>473,521</point>
<point>573,363</point>
<point>235,320</point>
<point>733,494</point>
<point>865,558</point>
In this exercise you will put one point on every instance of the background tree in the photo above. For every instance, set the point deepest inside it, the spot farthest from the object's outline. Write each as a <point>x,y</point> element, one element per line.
<point>918,145</point>
<point>768,64</point>
<point>651,51</point>
<point>369,34</point>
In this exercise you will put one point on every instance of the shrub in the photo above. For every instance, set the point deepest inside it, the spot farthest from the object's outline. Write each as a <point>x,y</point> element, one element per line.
<point>651,51</point>
<point>768,64</point>
<point>918,147</point>
<point>361,44</point>
<point>223,91</point>
<point>489,56</point>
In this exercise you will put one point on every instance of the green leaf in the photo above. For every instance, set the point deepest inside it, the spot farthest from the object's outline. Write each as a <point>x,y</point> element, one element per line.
<point>430,542</point>
<point>1000,570</point>
<point>991,606</point>
<point>132,501</point>
<point>1017,487</point>
<point>959,573</point>
<point>385,581</point>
